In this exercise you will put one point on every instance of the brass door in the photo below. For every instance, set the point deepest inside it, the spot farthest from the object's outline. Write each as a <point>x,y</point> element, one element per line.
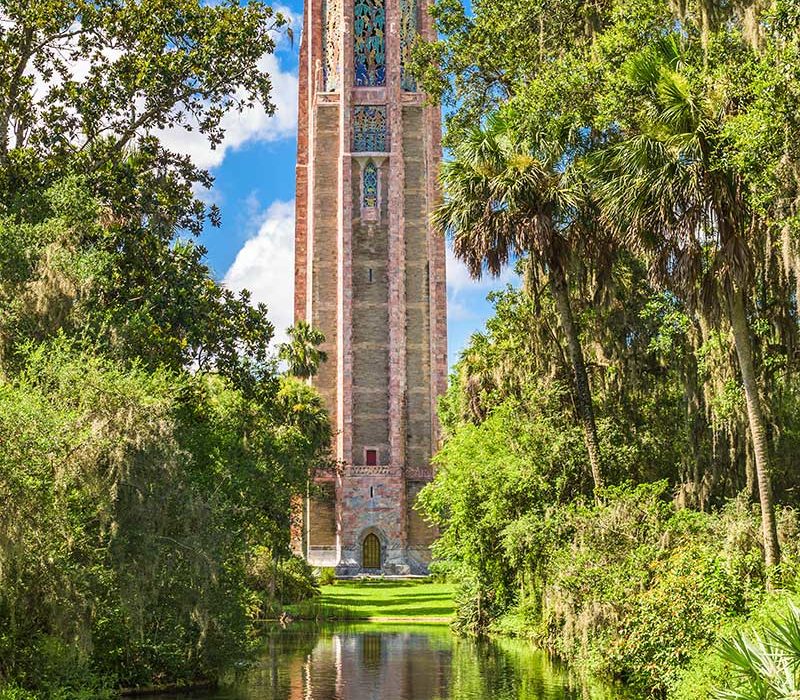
<point>371,552</point>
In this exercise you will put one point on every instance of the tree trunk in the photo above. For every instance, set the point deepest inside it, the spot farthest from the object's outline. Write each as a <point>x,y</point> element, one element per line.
<point>758,428</point>
<point>583,393</point>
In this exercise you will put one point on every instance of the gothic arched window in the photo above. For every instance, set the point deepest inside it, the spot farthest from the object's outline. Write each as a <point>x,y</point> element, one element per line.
<point>369,197</point>
<point>369,45</point>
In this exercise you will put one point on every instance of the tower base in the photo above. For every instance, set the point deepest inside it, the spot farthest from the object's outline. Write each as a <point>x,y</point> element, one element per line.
<point>363,521</point>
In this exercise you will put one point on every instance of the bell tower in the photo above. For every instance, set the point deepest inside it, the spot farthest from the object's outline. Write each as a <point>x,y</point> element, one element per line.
<point>370,274</point>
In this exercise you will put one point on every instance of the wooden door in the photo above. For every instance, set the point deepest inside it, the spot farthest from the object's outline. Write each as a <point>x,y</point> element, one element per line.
<point>371,552</point>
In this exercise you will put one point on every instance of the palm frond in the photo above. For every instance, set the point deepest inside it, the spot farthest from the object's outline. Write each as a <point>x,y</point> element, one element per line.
<point>784,635</point>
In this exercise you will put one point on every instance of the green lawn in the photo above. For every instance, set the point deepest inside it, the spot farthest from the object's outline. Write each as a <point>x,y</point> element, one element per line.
<point>387,600</point>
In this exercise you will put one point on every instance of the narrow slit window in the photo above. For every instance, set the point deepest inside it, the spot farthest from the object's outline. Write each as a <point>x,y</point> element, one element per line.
<point>372,492</point>
<point>370,274</point>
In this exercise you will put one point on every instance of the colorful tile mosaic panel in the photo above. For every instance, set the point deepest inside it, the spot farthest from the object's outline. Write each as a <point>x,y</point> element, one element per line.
<point>370,129</point>
<point>369,43</point>
<point>370,186</point>
<point>408,35</point>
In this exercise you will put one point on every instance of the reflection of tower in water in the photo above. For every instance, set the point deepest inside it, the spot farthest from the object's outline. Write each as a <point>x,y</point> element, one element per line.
<point>309,663</point>
<point>379,666</point>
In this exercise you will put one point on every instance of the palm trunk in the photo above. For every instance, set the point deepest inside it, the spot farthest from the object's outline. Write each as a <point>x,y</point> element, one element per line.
<point>758,428</point>
<point>583,393</point>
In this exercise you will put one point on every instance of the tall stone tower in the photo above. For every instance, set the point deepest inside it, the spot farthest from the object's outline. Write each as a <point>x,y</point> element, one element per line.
<point>370,273</point>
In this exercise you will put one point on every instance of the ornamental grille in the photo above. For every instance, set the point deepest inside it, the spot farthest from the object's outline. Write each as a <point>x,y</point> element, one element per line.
<point>408,34</point>
<point>369,129</point>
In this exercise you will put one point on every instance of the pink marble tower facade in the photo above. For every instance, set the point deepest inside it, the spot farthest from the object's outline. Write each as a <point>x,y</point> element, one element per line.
<point>370,273</point>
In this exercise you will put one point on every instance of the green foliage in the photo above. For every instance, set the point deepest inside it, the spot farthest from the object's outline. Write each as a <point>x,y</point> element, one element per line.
<point>302,353</point>
<point>631,588</point>
<point>180,62</point>
<point>149,446</point>
<point>764,664</point>
<point>279,582</point>
<point>673,128</point>
<point>326,576</point>
<point>133,497</point>
<point>488,478</point>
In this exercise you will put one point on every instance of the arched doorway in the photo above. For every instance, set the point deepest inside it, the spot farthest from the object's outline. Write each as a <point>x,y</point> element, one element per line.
<point>371,552</point>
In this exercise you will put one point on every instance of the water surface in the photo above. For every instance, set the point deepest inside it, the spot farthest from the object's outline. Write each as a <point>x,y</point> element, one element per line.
<point>409,662</point>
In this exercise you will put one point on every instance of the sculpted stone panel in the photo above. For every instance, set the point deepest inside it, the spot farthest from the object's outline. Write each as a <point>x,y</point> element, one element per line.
<point>331,31</point>
<point>408,34</point>
<point>365,470</point>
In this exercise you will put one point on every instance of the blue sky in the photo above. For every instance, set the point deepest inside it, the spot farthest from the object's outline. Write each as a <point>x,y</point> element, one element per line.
<point>254,188</point>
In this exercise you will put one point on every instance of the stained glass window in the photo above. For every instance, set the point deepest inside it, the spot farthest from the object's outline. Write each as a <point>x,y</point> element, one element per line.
<point>369,45</point>
<point>408,33</point>
<point>330,44</point>
<point>370,196</point>
<point>369,128</point>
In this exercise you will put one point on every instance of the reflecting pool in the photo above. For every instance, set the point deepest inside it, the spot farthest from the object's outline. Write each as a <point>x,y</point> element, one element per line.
<point>409,662</point>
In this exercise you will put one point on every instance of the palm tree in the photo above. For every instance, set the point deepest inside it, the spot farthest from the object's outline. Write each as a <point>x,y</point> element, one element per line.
<point>667,193</point>
<point>506,197</point>
<point>766,666</point>
<point>302,353</point>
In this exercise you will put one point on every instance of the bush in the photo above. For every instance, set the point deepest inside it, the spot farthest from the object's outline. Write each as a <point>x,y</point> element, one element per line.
<point>639,588</point>
<point>121,537</point>
<point>715,669</point>
<point>279,583</point>
<point>327,576</point>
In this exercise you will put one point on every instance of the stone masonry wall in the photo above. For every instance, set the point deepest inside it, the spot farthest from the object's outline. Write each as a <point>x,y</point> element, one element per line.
<point>321,517</point>
<point>418,365</point>
<point>374,285</point>
<point>370,329</point>
<point>325,245</point>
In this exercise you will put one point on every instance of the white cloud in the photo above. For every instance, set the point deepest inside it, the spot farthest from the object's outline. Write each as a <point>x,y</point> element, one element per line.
<point>265,266</point>
<point>244,127</point>
<point>294,19</point>
<point>461,287</point>
<point>459,279</point>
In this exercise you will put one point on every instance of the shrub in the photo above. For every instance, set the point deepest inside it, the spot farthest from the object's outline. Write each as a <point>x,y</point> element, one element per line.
<point>327,576</point>
<point>277,583</point>
<point>639,588</point>
<point>765,665</point>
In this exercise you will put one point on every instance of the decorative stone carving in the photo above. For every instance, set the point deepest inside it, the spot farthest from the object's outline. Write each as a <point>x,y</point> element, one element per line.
<point>369,43</point>
<point>370,129</point>
<point>408,34</point>
<point>364,470</point>
<point>331,32</point>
